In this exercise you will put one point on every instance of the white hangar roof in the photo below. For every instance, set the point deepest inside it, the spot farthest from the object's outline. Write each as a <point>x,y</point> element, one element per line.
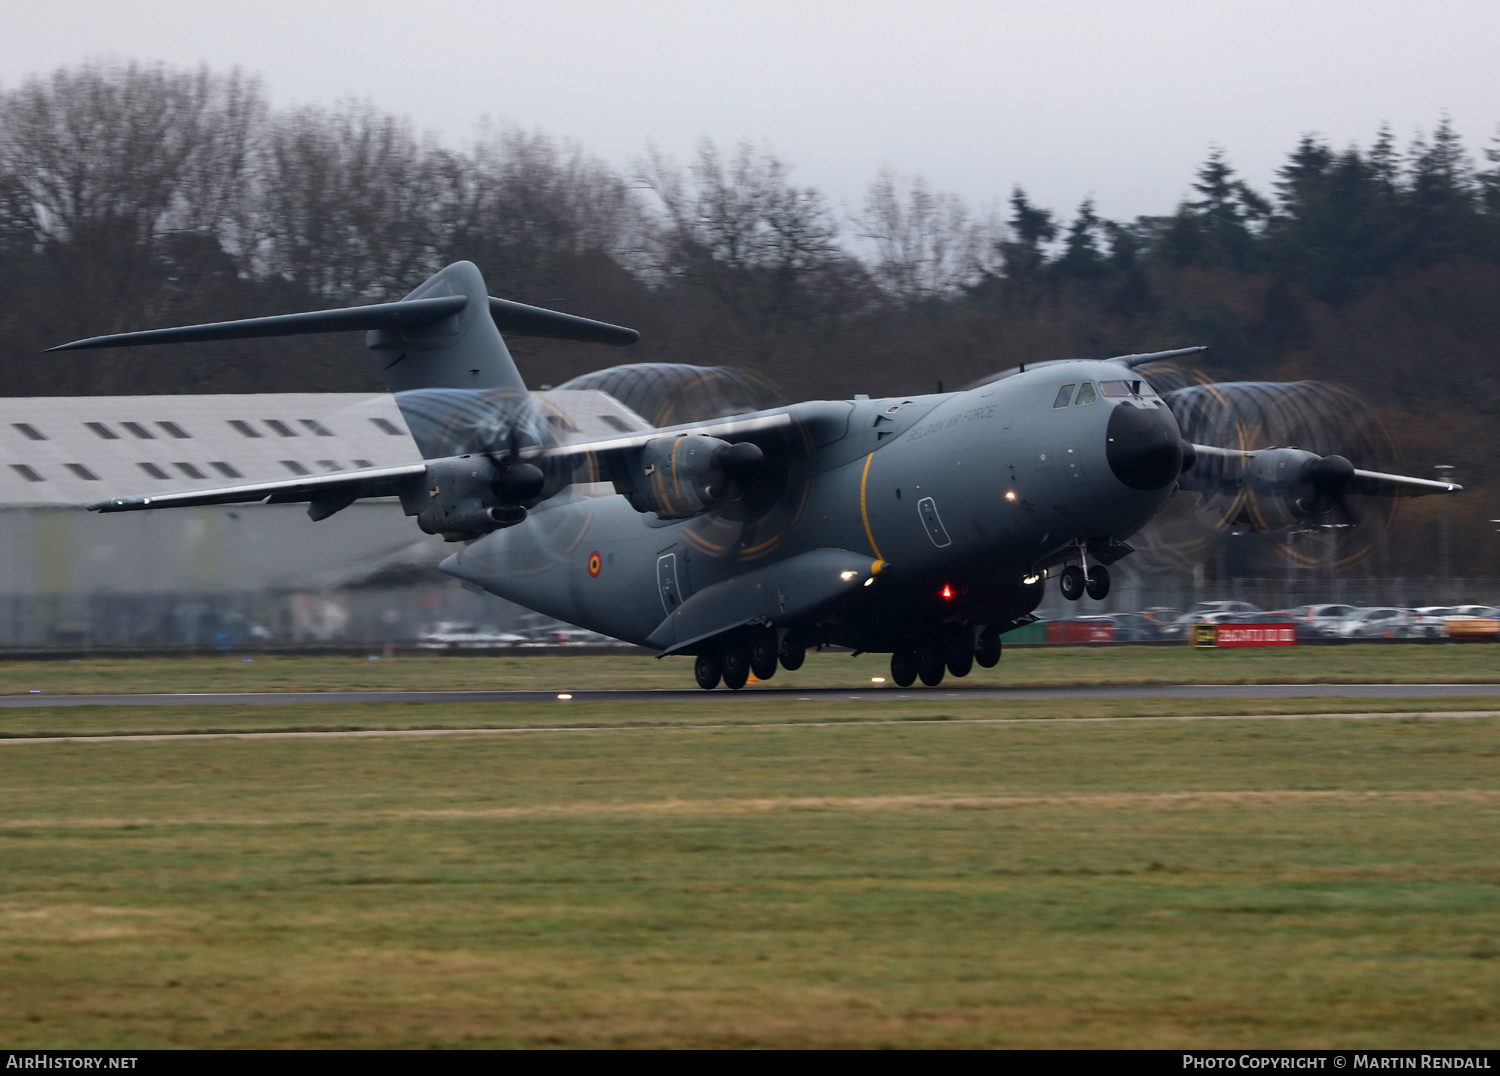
<point>75,450</point>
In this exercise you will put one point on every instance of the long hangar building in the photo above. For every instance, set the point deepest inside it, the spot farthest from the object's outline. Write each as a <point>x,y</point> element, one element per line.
<point>225,574</point>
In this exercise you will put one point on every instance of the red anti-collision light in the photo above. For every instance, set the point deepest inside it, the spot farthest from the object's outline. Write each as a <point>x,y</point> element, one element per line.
<point>947,592</point>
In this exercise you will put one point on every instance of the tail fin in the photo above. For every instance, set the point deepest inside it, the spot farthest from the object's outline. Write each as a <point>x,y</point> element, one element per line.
<point>444,335</point>
<point>463,350</point>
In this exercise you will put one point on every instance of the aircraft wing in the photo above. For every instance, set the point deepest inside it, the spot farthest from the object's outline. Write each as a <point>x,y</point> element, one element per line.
<point>1372,483</point>
<point>331,491</point>
<point>328,493</point>
<point>757,428</point>
<point>1230,466</point>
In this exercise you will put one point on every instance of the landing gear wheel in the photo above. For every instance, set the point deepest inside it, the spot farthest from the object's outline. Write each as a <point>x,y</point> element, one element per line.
<point>987,650</point>
<point>1098,582</point>
<point>904,667</point>
<point>736,664</point>
<point>707,670</point>
<point>763,654</point>
<point>960,655</point>
<point>1071,583</point>
<point>793,652</point>
<point>930,665</point>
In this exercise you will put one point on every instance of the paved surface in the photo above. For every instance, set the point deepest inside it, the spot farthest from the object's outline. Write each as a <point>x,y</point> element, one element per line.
<point>1444,715</point>
<point>772,694</point>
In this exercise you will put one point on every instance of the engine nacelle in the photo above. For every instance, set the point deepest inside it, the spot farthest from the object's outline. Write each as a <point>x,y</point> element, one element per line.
<point>679,477</point>
<point>1290,486</point>
<point>463,497</point>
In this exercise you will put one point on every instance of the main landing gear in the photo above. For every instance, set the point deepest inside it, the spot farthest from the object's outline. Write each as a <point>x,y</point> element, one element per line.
<point>735,657</point>
<point>955,650</point>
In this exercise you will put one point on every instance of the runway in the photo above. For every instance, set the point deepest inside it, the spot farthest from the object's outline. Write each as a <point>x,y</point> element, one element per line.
<point>772,695</point>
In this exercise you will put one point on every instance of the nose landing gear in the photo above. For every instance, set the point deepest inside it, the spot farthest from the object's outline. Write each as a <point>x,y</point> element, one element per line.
<point>1074,582</point>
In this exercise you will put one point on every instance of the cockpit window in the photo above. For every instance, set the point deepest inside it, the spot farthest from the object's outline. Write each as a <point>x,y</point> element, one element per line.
<point>1086,394</point>
<point>1142,388</point>
<point>1064,394</point>
<point>1115,388</point>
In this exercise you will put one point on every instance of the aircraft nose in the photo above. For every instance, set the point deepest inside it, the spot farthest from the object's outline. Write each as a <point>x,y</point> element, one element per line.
<point>1144,447</point>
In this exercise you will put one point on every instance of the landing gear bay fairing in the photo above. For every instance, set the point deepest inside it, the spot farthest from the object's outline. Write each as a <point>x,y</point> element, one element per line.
<point>920,526</point>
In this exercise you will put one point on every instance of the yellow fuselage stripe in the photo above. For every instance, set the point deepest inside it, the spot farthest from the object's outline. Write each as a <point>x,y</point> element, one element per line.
<point>864,511</point>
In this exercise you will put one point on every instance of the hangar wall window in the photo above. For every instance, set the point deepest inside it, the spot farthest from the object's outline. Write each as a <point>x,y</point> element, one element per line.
<point>1086,394</point>
<point>386,426</point>
<point>103,431</point>
<point>153,470</point>
<point>244,427</point>
<point>26,472</point>
<point>225,469</point>
<point>189,470</point>
<point>139,430</point>
<point>175,430</point>
<point>316,427</point>
<point>294,466</point>
<point>30,431</point>
<point>1064,394</point>
<point>280,427</point>
<point>82,472</point>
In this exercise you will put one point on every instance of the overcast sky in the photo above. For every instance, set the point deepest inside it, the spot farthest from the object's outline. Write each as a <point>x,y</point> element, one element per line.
<point>1066,97</point>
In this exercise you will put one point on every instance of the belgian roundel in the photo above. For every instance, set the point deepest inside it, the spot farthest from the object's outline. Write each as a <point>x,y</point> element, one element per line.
<point>594,564</point>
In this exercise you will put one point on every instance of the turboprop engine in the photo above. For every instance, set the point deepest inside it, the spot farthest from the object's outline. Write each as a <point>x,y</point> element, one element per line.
<point>679,477</point>
<point>1282,486</point>
<point>466,496</point>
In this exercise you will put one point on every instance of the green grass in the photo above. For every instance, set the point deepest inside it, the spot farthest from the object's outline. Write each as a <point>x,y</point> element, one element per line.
<point>724,711</point>
<point>1444,663</point>
<point>925,883</point>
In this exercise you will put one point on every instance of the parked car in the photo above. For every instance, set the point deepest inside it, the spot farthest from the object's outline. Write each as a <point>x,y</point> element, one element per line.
<point>1319,621</point>
<point>1135,628</point>
<point>1224,607</point>
<point>1160,615</point>
<point>452,635</point>
<point>1380,622</point>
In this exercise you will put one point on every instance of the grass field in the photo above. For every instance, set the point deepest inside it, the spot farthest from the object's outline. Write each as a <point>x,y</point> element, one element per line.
<point>1444,663</point>
<point>813,874</point>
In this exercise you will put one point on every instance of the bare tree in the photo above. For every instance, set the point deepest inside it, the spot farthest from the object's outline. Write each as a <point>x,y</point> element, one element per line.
<point>122,183</point>
<point>742,231</point>
<point>524,207</point>
<point>350,202</point>
<point>927,245</point>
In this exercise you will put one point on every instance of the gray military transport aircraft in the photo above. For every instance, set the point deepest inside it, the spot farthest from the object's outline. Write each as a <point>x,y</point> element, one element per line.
<point>920,526</point>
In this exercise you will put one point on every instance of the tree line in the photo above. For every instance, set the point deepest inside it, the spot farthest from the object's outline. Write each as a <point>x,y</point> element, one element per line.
<point>135,195</point>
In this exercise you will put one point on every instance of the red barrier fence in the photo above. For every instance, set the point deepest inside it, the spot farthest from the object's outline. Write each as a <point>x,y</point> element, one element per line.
<point>1080,631</point>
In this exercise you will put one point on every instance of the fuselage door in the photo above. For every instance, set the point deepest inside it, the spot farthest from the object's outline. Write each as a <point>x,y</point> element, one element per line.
<point>666,582</point>
<point>927,509</point>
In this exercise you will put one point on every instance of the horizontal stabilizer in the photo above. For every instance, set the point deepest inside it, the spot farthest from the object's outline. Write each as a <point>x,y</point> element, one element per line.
<point>407,314</point>
<point>517,319</point>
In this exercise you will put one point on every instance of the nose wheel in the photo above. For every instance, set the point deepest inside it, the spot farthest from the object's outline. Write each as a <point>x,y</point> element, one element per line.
<point>1074,582</point>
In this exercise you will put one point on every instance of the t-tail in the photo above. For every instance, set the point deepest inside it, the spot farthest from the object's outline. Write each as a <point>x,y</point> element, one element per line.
<point>440,350</point>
